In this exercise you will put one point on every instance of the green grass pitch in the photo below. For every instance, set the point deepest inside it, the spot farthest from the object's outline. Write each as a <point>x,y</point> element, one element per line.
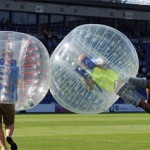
<point>126,131</point>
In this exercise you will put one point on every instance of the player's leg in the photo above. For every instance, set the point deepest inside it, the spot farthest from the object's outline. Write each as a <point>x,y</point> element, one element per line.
<point>148,91</point>
<point>9,133</point>
<point>139,83</point>
<point>9,124</point>
<point>2,139</point>
<point>144,105</point>
<point>9,130</point>
<point>2,136</point>
<point>133,97</point>
<point>130,95</point>
<point>142,83</point>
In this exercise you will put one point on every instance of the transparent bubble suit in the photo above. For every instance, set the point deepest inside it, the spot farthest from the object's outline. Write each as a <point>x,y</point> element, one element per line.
<point>99,42</point>
<point>24,70</point>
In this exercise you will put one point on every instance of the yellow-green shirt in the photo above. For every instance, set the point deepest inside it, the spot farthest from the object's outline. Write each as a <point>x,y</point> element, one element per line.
<point>104,78</point>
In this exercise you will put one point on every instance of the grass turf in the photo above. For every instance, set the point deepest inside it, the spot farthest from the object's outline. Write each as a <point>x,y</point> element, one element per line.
<point>83,132</point>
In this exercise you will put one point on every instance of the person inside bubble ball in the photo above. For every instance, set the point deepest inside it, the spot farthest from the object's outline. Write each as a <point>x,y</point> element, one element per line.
<point>9,70</point>
<point>98,72</point>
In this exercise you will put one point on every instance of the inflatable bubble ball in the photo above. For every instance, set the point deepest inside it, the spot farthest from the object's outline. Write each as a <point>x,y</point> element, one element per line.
<point>89,67</point>
<point>24,70</point>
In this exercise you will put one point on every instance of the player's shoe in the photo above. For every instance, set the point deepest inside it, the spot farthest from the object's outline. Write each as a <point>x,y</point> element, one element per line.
<point>147,101</point>
<point>12,144</point>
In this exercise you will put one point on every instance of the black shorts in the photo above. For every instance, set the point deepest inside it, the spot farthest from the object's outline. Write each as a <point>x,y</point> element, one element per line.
<point>7,113</point>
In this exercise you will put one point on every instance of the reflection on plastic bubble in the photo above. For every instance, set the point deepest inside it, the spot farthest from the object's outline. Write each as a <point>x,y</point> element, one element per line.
<point>24,70</point>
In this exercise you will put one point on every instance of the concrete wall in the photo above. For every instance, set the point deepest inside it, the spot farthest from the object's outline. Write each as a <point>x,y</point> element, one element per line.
<point>100,11</point>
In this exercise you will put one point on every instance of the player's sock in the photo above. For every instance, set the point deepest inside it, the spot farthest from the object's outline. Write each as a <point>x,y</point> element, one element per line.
<point>12,144</point>
<point>148,99</point>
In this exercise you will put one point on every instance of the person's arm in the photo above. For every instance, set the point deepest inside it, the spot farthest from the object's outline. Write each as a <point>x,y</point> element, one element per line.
<point>89,83</point>
<point>86,77</point>
<point>100,63</point>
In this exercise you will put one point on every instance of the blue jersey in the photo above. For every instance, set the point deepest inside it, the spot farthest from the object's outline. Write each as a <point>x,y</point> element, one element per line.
<point>9,75</point>
<point>13,82</point>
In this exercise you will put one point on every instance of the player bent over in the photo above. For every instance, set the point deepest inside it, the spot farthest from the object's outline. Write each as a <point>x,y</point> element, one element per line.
<point>98,72</point>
